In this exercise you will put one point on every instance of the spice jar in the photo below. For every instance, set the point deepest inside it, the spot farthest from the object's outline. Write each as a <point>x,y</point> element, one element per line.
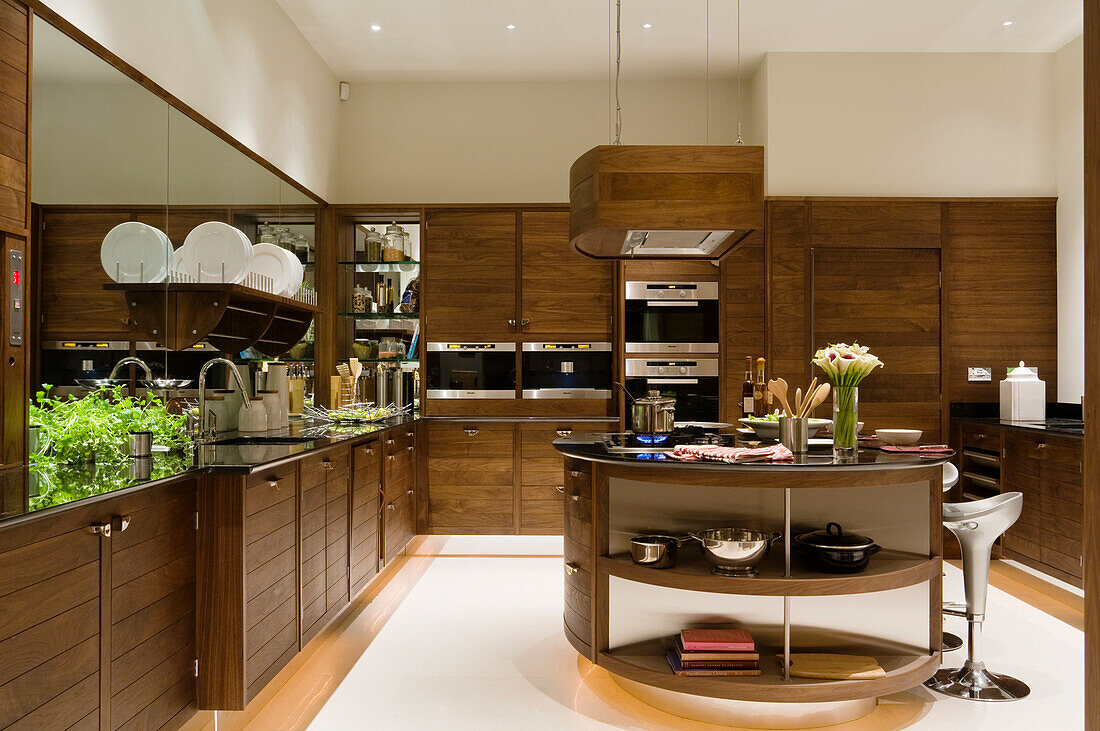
<point>396,245</point>
<point>373,245</point>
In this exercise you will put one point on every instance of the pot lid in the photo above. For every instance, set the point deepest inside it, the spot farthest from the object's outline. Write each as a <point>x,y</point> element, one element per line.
<point>655,397</point>
<point>834,537</point>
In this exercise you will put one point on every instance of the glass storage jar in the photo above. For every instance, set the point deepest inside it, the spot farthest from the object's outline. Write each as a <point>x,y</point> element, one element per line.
<point>395,243</point>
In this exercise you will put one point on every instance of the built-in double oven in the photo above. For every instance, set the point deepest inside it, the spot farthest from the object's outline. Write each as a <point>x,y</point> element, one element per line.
<point>672,317</point>
<point>693,382</point>
<point>549,370</point>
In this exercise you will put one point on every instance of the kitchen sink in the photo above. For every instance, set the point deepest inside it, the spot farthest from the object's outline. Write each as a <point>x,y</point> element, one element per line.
<point>246,441</point>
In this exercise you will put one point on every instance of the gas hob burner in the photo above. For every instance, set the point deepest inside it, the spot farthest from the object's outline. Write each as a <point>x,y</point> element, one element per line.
<point>630,443</point>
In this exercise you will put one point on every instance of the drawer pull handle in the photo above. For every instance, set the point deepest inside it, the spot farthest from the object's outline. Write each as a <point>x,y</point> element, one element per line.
<point>103,529</point>
<point>409,492</point>
<point>571,568</point>
<point>574,473</point>
<point>470,432</point>
<point>409,434</point>
<point>121,522</point>
<point>410,447</point>
<point>565,432</point>
<point>329,466</point>
<point>525,321</point>
<point>370,450</point>
<point>560,488</point>
<point>1040,445</point>
<point>391,507</point>
<point>576,498</point>
<point>389,441</point>
<point>979,436</point>
<point>274,484</point>
<point>392,457</point>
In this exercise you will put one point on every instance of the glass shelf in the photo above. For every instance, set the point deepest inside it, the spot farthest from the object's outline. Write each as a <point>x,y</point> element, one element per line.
<point>389,360</point>
<point>382,315</point>
<point>381,266</point>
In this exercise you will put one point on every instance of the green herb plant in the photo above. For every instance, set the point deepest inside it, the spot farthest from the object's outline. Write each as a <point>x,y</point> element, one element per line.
<point>95,428</point>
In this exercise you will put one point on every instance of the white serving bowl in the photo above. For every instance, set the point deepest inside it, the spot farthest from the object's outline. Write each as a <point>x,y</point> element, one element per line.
<point>899,437</point>
<point>770,429</point>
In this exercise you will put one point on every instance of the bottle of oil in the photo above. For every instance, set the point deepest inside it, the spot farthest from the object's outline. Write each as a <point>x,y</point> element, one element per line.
<point>748,390</point>
<point>760,387</point>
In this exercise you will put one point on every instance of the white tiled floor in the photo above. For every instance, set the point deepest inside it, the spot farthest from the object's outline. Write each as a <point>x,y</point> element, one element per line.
<point>477,644</point>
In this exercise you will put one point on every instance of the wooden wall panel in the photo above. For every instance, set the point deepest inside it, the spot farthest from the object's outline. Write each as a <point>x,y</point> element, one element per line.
<point>889,300</point>
<point>743,294</point>
<point>1000,293</point>
<point>14,117</point>
<point>788,337</point>
<point>881,223</point>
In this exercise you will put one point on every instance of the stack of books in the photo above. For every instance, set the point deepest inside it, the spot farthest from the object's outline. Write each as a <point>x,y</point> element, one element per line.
<point>714,653</point>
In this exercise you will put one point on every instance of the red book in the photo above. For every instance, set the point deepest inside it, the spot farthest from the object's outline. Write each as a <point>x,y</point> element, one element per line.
<point>717,640</point>
<point>732,665</point>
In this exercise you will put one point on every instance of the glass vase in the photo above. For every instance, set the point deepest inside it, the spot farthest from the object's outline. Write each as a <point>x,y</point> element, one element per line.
<point>845,421</point>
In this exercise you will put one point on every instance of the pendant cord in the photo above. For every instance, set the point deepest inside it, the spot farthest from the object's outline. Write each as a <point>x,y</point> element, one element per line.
<point>740,140</point>
<point>707,91</point>
<point>618,64</point>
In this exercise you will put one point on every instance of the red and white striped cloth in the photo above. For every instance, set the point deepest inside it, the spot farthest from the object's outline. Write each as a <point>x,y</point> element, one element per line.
<point>715,453</point>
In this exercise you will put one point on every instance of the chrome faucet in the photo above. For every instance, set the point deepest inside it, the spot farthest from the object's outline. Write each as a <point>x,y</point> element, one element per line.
<point>206,434</point>
<point>136,361</point>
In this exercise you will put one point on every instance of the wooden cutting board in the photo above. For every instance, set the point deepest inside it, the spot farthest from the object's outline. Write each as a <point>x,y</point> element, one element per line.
<point>828,666</point>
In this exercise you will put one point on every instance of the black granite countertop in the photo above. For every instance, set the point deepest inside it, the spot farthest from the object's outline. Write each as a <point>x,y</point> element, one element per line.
<point>36,488</point>
<point>590,447</point>
<point>1068,427</point>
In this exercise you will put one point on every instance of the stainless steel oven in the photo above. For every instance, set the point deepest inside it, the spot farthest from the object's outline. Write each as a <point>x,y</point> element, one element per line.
<point>567,370</point>
<point>471,370</point>
<point>693,382</point>
<point>671,317</point>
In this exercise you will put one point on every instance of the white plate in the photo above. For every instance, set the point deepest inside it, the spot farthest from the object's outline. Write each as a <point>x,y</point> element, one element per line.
<point>135,252</point>
<point>271,261</point>
<point>297,274</point>
<point>213,245</point>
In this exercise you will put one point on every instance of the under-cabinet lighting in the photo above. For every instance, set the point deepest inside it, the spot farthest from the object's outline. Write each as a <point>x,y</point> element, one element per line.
<point>1007,23</point>
<point>510,27</point>
<point>376,28</point>
<point>647,26</point>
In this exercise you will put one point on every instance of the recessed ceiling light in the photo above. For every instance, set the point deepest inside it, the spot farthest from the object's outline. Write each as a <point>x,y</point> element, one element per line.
<point>647,26</point>
<point>376,28</point>
<point>510,27</point>
<point>1007,23</point>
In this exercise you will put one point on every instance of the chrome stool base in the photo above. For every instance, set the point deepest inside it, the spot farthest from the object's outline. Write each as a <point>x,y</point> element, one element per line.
<point>977,684</point>
<point>951,642</point>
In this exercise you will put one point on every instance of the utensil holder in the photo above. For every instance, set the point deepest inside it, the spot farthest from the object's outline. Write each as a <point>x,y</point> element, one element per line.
<point>141,443</point>
<point>794,433</point>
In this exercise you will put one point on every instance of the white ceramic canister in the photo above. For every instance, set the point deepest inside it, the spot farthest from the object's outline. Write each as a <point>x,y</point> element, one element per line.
<point>1023,395</point>
<point>277,381</point>
<point>224,404</point>
<point>276,414</point>
<point>252,419</point>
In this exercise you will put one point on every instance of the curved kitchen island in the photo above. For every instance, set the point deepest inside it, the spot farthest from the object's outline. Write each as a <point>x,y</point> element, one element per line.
<point>624,617</point>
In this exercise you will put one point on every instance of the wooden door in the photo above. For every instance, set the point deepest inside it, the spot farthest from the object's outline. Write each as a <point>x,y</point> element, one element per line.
<point>366,490</point>
<point>889,300</point>
<point>564,294</point>
<point>468,276</point>
<point>470,477</point>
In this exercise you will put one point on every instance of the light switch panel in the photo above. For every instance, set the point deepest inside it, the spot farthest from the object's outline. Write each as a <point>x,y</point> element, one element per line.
<point>979,375</point>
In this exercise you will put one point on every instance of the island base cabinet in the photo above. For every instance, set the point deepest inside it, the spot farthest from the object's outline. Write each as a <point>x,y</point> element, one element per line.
<point>366,493</point>
<point>98,631</point>
<point>578,567</point>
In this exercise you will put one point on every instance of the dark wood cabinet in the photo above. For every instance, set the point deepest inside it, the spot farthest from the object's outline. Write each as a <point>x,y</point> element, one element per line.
<point>563,294</point>
<point>398,490</point>
<point>468,281</point>
<point>577,527</point>
<point>99,630</point>
<point>470,477</point>
<point>366,501</point>
<point>324,536</point>
<point>541,485</point>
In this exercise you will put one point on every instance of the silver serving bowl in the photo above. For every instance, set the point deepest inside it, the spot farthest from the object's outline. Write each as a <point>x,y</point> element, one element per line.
<point>735,551</point>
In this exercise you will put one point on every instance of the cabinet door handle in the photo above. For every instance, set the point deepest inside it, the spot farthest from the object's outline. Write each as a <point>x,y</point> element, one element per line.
<point>571,568</point>
<point>329,466</point>
<point>979,436</point>
<point>410,434</point>
<point>565,432</point>
<point>103,529</point>
<point>410,492</point>
<point>470,432</point>
<point>410,448</point>
<point>389,441</point>
<point>1040,445</point>
<point>560,488</point>
<point>574,473</point>
<point>575,498</point>
<point>274,484</point>
<point>511,323</point>
<point>391,507</point>
<point>392,457</point>
<point>525,322</point>
<point>121,523</point>
<point>370,450</point>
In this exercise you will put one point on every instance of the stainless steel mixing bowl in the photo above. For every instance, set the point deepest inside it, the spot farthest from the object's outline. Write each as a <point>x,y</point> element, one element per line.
<point>735,551</point>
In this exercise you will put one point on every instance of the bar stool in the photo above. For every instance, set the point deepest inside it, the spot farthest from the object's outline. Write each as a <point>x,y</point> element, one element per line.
<point>977,525</point>
<point>951,641</point>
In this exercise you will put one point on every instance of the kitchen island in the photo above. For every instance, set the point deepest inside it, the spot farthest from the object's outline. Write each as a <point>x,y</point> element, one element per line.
<point>624,617</point>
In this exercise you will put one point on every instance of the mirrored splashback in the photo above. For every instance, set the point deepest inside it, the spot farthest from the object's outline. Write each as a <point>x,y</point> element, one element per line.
<point>134,202</point>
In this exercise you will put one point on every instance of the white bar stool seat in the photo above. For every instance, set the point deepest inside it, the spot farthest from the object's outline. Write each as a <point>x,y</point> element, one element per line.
<point>977,525</point>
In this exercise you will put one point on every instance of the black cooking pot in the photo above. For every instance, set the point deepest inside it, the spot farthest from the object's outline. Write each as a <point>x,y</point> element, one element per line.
<point>835,552</point>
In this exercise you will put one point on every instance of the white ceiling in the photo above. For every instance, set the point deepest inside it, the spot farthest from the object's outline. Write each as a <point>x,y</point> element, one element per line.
<point>466,40</point>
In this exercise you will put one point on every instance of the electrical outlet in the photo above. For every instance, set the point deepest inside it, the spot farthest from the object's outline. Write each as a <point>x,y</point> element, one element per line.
<point>979,375</point>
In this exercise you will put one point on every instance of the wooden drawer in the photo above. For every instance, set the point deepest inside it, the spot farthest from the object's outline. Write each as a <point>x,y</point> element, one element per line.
<point>315,469</point>
<point>541,517</point>
<point>481,440</point>
<point>268,487</point>
<point>366,458</point>
<point>978,436</point>
<point>578,554</point>
<point>541,463</point>
<point>1063,454</point>
<point>578,625</point>
<point>400,523</point>
<point>578,482</point>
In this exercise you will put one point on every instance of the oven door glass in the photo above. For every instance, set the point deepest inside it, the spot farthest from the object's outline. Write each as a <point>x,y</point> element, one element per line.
<point>655,322</point>
<point>471,374</point>
<point>696,398</point>
<point>567,370</point>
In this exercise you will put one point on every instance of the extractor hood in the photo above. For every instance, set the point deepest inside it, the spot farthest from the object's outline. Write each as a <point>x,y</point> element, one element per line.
<point>665,201</point>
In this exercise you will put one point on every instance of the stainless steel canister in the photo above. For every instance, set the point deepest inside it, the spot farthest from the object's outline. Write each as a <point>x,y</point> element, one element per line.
<point>141,443</point>
<point>794,433</point>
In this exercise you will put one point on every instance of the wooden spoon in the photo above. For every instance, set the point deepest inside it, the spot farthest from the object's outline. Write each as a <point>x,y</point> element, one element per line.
<point>809,394</point>
<point>817,399</point>
<point>778,388</point>
<point>798,402</point>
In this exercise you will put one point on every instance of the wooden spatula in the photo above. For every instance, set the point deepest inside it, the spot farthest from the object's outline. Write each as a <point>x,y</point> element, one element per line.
<point>778,388</point>
<point>818,398</point>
